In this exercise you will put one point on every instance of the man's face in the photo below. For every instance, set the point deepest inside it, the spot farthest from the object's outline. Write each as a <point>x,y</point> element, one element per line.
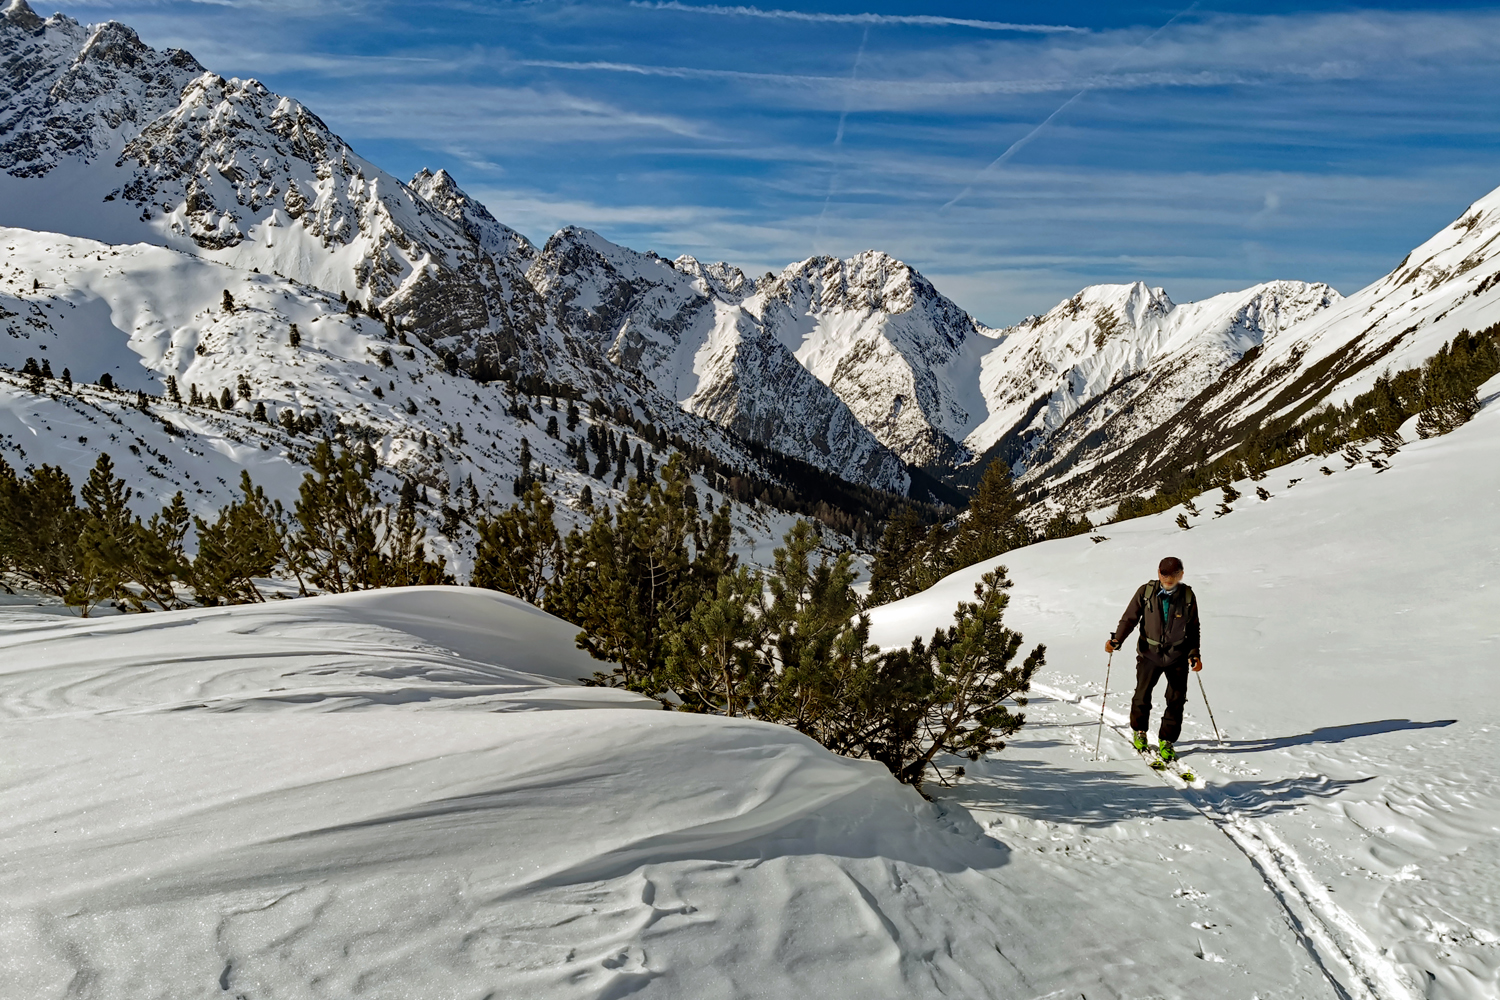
<point>1168,582</point>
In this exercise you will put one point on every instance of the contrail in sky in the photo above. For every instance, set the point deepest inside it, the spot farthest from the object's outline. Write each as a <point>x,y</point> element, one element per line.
<point>919,20</point>
<point>838,139</point>
<point>1016,146</point>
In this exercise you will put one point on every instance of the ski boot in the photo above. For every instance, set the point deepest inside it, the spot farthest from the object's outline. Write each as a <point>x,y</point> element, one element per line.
<point>1165,751</point>
<point>1140,742</point>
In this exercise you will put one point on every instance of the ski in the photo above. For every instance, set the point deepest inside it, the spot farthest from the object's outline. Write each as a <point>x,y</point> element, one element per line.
<point>1175,769</point>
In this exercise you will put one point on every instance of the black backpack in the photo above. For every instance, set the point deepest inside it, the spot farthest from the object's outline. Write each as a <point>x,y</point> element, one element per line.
<point>1151,612</point>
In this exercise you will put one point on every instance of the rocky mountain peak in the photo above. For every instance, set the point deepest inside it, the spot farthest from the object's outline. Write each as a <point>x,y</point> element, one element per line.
<point>721,280</point>
<point>499,240</point>
<point>20,14</point>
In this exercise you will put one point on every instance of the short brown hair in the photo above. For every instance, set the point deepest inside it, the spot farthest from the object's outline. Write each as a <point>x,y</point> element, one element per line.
<point>1170,566</point>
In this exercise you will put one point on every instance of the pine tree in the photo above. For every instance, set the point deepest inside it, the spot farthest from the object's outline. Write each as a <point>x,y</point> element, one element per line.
<point>260,413</point>
<point>993,525</point>
<point>228,301</point>
<point>46,368</point>
<point>106,381</point>
<point>344,541</point>
<point>33,373</point>
<point>711,660</point>
<point>248,540</point>
<point>817,649</point>
<point>104,538</point>
<point>67,378</point>
<point>518,551</point>
<point>42,529</point>
<point>949,696</point>
<point>294,337</point>
<point>552,427</point>
<point>573,416</point>
<point>147,559</point>
<point>337,521</point>
<point>243,387</point>
<point>628,580</point>
<point>172,393</point>
<point>900,545</point>
<point>226,402</point>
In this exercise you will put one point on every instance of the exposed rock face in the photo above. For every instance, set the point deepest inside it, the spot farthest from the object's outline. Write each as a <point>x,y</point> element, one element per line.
<point>1333,352</point>
<point>71,91</point>
<point>683,327</point>
<point>497,239</point>
<point>1071,388</point>
<point>897,352</point>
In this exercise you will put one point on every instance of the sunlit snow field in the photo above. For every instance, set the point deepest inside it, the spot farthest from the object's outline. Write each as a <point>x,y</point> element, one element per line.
<point>403,794</point>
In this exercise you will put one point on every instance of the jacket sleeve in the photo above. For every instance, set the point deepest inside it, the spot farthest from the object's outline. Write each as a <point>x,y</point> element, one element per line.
<point>1192,629</point>
<point>1130,619</point>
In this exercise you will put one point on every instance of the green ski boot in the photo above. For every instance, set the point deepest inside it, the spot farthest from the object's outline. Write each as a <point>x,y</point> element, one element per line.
<point>1165,752</point>
<point>1140,743</point>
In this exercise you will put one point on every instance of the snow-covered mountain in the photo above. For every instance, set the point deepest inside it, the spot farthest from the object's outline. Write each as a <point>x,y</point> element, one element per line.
<point>876,332</point>
<point>682,326</point>
<point>1105,367</point>
<point>858,367</point>
<point>142,314</point>
<point>1340,346</point>
<point>105,138</point>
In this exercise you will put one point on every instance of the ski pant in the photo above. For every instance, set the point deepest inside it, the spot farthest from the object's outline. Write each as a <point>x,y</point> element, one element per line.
<point>1148,670</point>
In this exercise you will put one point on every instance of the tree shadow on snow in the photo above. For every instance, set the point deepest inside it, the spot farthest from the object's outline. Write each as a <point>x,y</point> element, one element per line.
<point>1087,796</point>
<point>1328,734</point>
<point>1118,791</point>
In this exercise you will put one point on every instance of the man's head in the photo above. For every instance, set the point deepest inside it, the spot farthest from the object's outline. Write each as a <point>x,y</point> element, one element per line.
<point>1169,572</point>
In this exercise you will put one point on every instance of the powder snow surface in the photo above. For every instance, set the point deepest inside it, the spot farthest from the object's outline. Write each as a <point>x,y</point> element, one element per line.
<point>403,794</point>
<point>1350,629</point>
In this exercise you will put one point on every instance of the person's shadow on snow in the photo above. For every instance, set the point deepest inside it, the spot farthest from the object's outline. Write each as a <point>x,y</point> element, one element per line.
<point>1328,734</point>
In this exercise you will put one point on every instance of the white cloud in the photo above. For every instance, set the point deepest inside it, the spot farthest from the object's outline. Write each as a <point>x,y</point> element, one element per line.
<point>905,20</point>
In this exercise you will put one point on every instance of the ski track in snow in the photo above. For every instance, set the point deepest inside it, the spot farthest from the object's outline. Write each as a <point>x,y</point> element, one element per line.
<point>1329,934</point>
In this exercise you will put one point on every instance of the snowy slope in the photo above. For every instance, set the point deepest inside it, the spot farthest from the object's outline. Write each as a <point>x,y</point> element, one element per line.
<point>387,793</point>
<point>362,794</point>
<point>1350,641</point>
<point>1448,284</point>
<point>142,313</point>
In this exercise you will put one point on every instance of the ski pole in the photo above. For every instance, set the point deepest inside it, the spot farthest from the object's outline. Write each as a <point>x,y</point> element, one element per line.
<point>1102,700</point>
<point>1208,706</point>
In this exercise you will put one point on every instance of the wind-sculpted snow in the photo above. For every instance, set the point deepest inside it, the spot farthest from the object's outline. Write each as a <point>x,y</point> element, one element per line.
<point>423,647</point>
<point>364,793</point>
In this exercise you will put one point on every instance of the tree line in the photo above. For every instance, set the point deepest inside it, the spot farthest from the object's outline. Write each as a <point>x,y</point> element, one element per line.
<point>1442,393</point>
<point>656,591</point>
<point>88,548</point>
<point>914,554</point>
<point>652,585</point>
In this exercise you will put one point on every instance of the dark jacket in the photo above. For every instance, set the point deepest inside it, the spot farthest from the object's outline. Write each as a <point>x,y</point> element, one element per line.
<point>1168,641</point>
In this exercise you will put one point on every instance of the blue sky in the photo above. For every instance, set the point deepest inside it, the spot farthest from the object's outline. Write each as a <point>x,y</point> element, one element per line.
<point>1203,149</point>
